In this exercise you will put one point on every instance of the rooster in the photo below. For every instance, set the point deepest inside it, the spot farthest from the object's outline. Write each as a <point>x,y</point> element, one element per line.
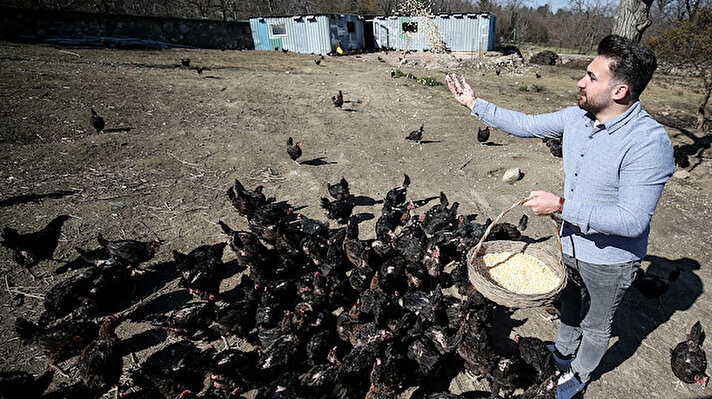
<point>185,62</point>
<point>294,150</point>
<point>32,248</point>
<point>96,121</point>
<point>338,100</point>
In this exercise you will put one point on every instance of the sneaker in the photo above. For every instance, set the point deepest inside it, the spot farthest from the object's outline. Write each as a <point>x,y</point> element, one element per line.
<point>563,363</point>
<point>570,386</point>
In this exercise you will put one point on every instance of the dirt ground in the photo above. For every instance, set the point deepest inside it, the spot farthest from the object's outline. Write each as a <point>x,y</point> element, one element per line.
<point>175,141</point>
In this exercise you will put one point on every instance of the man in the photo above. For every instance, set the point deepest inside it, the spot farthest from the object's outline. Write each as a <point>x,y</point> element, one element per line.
<point>617,160</point>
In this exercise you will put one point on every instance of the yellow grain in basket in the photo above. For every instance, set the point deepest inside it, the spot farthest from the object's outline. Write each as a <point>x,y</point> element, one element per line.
<point>520,273</point>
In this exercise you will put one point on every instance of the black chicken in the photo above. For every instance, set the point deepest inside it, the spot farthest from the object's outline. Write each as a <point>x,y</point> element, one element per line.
<point>96,121</point>
<point>174,369</point>
<point>415,135</point>
<point>246,202</point>
<point>337,210</point>
<point>680,157</point>
<point>60,342</point>
<point>522,225</point>
<point>202,269</point>
<point>317,61</point>
<point>653,287</point>
<point>535,353</point>
<point>21,384</point>
<point>340,190</point>
<point>101,363</point>
<point>313,227</point>
<point>396,196</point>
<point>483,134</point>
<point>237,318</point>
<point>132,251</point>
<point>688,360</point>
<point>185,62</point>
<point>233,368</point>
<point>338,100</point>
<point>353,247</point>
<point>555,146</point>
<point>294,150</point>
<point>187,320</point>
<point>31,248</point>
<point>67,295</point>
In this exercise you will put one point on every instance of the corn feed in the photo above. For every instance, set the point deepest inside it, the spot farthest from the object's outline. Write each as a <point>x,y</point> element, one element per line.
<point>520,273</point>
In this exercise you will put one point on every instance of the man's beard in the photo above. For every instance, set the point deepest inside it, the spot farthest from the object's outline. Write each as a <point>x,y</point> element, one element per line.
<point>589,105</point>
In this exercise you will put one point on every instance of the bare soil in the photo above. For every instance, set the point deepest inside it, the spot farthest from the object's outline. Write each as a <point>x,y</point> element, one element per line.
<point>175,141</point>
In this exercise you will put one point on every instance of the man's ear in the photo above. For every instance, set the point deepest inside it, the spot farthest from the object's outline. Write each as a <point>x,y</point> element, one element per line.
<point>620,91</point>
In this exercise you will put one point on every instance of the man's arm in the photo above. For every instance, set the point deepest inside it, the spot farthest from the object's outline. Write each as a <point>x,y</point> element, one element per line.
<point>549,125</point>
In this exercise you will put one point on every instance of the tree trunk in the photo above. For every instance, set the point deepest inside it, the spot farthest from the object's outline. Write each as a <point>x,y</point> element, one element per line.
<point>701,119</point>
<point>632,19</point>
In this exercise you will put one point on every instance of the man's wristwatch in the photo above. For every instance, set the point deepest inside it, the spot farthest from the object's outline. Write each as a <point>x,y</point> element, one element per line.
<point>561,205</point>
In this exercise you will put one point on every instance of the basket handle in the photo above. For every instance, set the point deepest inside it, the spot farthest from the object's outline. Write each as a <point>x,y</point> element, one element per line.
<point>504,212</point>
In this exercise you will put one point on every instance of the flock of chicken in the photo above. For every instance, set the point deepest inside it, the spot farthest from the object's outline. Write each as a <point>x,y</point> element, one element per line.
<point>327,314</point>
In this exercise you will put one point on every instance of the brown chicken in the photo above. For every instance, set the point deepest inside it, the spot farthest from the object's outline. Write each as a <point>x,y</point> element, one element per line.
<point>32,248</point>
<point>100,364</point>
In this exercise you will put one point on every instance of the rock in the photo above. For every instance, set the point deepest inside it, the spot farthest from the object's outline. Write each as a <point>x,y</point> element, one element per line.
<point>512,175</point>
<point>681,174</point>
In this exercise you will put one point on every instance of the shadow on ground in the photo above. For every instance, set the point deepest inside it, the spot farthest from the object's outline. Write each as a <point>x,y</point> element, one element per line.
<point>638,316</point>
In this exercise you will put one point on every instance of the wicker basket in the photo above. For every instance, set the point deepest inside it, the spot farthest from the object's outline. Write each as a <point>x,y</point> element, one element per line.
<point>481,280</point>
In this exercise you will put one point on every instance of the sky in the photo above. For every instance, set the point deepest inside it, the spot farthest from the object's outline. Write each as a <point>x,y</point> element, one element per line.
<point>555,4</point>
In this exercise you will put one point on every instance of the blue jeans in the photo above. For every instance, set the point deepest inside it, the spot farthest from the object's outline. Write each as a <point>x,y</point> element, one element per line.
<point>588,303</point>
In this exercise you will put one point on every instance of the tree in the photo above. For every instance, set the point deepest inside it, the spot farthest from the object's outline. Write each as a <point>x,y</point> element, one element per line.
<point>632,19</point>
<point>689,45</point>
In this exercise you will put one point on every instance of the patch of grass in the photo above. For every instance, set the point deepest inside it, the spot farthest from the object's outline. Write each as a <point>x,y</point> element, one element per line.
<point>523,88</point>
<point>537,88</point>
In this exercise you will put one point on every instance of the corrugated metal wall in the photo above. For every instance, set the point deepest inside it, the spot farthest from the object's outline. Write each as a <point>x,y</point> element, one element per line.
<point>460,32</point>
<point>340,34</point>
<point>308,34</point>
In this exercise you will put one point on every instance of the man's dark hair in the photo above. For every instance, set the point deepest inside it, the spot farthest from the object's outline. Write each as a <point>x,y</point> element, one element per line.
<point>630,63</point>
